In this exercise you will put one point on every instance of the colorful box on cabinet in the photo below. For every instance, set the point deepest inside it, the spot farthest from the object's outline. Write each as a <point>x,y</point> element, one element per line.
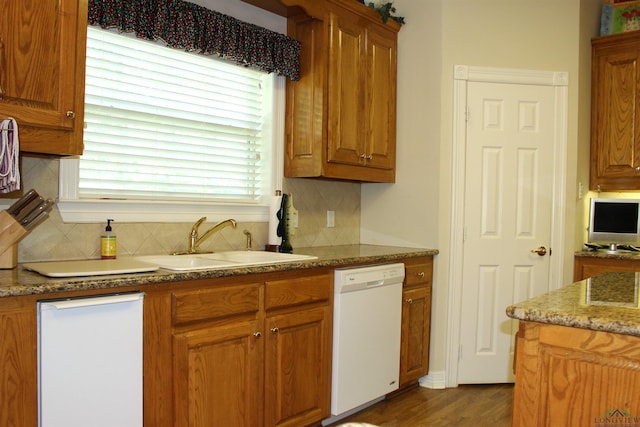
<point>620,17</point>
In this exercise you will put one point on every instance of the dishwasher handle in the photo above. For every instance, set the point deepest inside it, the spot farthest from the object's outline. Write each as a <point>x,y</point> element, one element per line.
<point>90,301</point>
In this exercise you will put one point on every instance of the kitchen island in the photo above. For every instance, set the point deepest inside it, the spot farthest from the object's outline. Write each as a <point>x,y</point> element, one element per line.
<point>577,359</point>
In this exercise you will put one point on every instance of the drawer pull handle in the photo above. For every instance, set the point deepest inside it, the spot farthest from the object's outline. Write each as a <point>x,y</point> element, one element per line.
<point>275,330</point>
<point>71,114</point>
<point>421,275</point>
<point>257,334</point>
<point>410,301</point>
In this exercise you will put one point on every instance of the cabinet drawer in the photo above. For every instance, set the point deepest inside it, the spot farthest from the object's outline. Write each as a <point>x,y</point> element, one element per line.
<point>283,293</point>
<point>418,273</point>
<point>209,304</point>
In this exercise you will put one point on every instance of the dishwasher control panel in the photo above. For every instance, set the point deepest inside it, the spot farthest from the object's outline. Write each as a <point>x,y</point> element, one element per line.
<point>354,278</point>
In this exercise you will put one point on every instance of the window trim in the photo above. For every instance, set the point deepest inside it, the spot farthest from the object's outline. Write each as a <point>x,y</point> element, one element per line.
<point>75,210</point>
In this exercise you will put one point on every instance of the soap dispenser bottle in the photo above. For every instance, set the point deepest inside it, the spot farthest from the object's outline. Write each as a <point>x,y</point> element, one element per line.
<point>108,242</point>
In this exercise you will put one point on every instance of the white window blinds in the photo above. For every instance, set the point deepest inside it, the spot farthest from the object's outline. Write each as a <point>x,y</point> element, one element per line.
<point>162,124</point>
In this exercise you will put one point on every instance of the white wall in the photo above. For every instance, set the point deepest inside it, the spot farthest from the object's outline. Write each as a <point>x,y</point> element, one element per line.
<point>537,35</point>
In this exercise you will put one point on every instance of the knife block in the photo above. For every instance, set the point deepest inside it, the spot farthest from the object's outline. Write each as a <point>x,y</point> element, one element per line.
<point>11,232</point>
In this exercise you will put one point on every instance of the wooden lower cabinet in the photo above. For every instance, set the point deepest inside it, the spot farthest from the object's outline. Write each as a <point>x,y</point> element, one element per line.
<point>248,353</point>
<point>18,359</point>
<point>297,369</point>
<point>574,377</point>
<point>416,320</point>
<point>585,267</point>
<point>217,376</point>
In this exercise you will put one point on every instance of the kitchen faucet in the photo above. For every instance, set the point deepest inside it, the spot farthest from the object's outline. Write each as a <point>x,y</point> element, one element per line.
<point>195,239</point>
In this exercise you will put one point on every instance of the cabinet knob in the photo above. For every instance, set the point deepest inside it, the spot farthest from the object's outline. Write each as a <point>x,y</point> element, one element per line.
<point>410,301</point>
<point>637,168</point>
<point>421,275</point>
<point>71,114</point>
<point>275,330</point>
<point>257,334</point>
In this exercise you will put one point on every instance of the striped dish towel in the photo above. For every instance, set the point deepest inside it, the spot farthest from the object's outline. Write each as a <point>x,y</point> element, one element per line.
<point>9,156</point>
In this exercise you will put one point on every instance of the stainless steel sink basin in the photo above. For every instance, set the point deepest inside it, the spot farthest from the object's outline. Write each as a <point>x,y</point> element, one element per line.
<point>216,260</point>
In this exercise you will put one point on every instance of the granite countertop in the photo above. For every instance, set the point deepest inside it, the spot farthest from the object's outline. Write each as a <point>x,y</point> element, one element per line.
<point>607,302</point>
<point>19,281</point>
<point>601,254</point>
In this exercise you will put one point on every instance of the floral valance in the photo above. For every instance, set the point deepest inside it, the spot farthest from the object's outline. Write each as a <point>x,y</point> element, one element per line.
<point>194,28</point>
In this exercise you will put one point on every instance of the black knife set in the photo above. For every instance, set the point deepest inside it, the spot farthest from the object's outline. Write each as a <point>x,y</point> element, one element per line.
<point>15,222</point>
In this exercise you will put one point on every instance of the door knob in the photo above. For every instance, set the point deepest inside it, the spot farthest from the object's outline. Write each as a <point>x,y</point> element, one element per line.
<point>541,250</point>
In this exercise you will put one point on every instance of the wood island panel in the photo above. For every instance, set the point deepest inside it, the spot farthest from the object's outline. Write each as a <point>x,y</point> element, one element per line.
<point>571,377</point>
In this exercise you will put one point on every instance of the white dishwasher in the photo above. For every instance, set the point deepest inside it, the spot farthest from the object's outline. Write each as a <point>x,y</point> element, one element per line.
<point>366,336</point>
<point>90,361</point>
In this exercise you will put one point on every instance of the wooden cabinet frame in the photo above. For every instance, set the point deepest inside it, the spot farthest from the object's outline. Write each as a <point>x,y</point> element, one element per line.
<point>341,114</point>
<point>615,113</point>
<point>586,266</point>
<point>42,69</point>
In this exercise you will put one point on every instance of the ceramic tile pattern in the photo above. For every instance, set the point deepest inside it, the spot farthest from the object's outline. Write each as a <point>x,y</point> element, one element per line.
<point>55,240</point>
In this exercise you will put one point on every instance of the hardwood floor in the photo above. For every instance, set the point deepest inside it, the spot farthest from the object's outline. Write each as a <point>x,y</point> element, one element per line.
<point>468,405</point>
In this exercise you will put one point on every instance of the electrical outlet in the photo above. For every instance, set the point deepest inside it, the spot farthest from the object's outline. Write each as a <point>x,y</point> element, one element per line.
<point>331,219</point>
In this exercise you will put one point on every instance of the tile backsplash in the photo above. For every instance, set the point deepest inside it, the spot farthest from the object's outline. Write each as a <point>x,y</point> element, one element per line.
<point>55,240</point>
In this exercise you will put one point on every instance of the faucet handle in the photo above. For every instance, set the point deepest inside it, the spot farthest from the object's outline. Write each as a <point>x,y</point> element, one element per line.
<point>194,228</point>
<point>248,234</point>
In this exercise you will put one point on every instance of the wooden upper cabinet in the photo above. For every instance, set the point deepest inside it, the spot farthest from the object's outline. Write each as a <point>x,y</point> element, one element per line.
<point>341,114</point>
<point>615,113</point>
<point>42,68</point>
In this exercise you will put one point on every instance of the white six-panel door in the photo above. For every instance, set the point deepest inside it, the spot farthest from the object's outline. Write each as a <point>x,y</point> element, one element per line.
<point>507,217</point>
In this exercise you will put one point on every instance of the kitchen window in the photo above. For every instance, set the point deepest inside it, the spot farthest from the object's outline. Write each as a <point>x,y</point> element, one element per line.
<point>171,135</point>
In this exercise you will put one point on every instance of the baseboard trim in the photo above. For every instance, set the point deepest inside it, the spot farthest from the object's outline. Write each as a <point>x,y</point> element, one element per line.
<point>434,380</point>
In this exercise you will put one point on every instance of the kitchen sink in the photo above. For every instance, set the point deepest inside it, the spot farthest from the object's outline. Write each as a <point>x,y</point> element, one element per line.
<point>257,257</point>
<point>216,260</point>
<point>185,262</point>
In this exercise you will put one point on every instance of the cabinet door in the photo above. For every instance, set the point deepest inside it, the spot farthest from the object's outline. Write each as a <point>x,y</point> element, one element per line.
<point>416,325</point>
<point>381,99</point>
<point>18,375</point>
<point>217,376</point>
<point>346,107</point>
<point>42,51</point>
<point>615,154</point>
<point>297,367</point>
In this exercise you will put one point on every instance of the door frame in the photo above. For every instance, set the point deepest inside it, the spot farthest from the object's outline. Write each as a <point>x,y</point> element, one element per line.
<point>462,75</point>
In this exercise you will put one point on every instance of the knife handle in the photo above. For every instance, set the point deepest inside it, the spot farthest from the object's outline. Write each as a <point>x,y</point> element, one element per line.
<point>22,202</point>
<point>20,216</point>
<point>45,206</point>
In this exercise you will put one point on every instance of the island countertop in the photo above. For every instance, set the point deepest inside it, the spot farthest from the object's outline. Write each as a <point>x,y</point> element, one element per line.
<point>606,302</point>
<point>19,281</point>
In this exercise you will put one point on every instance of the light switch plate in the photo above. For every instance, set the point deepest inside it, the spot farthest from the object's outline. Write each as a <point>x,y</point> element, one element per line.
<point>331,219</point>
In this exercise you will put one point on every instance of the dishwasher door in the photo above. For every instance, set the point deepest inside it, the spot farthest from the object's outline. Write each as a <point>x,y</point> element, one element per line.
<point>90,361</point>
<point>366,335</point>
